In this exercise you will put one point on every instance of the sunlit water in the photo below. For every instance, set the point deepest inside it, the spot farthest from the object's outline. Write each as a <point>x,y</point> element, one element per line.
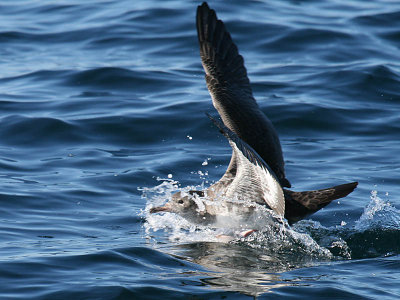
<point>102,117</point>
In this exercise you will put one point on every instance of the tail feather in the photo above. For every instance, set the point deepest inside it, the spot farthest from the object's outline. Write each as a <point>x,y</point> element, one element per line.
<point>299,205</point>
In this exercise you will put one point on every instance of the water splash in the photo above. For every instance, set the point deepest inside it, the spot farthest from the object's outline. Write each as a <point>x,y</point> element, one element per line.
<point>379,214</point>
<point>278,238</point>
<point>375,233</point>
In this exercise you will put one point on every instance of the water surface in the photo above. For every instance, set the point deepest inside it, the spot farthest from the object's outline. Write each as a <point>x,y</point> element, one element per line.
<point>102,115</point>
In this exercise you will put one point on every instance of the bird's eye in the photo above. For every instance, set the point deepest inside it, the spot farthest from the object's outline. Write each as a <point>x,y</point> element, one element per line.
<point>180,201</point>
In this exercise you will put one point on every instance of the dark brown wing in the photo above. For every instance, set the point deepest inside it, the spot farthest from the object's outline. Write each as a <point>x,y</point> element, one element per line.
<point>299,205</point>
<point>231,93</point>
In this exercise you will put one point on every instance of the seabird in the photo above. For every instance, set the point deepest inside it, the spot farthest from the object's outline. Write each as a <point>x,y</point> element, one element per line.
<point>256,170</point>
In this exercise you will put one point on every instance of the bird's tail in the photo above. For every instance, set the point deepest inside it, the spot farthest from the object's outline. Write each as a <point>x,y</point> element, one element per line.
<point>298,205</point>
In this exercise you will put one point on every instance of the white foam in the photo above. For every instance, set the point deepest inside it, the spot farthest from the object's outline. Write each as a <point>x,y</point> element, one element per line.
<point>378,214</point>
<point>307,237</point>
<point>275,236</point>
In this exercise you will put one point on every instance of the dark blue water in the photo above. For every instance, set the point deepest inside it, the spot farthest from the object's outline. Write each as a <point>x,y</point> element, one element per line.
<point>102,115</point>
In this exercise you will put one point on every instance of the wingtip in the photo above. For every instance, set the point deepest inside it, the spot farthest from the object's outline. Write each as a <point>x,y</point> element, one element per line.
<point>203,9</point>
<point>352,185</point>
<point>203,6</point>
<point>345,189</point>
<point>204,16</point>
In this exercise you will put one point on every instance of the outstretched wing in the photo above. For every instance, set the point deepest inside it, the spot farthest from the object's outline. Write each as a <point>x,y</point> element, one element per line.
<point>302,204</point>
<point>253,180</point>
<point>229,86</point>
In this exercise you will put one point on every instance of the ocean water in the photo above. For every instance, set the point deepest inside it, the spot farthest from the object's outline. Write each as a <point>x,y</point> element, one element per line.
<point>102,116</point>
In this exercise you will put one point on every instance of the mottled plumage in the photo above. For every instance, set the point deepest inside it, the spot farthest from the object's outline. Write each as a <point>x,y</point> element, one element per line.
<point>256,170</point>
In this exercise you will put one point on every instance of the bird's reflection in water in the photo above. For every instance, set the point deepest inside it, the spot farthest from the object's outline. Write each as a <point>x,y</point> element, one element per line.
<point>240,268</point>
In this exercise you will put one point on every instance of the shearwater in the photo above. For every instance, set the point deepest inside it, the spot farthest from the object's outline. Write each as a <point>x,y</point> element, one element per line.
<point>256,171</point>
